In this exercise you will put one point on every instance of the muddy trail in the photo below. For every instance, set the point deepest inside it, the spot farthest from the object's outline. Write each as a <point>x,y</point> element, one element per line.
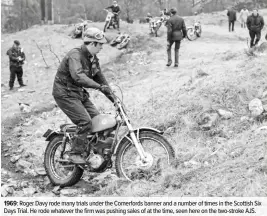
<point>216,72</point>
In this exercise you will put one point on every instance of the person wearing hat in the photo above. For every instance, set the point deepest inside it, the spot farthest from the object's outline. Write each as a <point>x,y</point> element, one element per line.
<point>231,13</point>
<point>78,70</point>
<point>176,31</point>
<point>255,24</point>
<point>115,8</point>
<point>16,60</point>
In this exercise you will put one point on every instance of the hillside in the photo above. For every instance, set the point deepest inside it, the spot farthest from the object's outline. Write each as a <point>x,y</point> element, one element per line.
<point>216,72</point>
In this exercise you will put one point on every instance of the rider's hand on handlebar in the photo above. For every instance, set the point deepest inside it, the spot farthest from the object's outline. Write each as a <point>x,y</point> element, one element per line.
<point>105,89</point>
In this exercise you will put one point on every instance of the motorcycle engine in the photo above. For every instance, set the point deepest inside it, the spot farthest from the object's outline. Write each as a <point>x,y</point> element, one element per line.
<point>101,151</point>
<point>95,160</point>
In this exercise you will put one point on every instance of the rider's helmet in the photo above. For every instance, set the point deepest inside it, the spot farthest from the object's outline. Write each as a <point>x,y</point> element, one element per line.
<point>148,14</point>
<point>94,35</point>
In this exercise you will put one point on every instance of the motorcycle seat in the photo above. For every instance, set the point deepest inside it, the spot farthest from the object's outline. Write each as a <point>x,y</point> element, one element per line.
<point>70,128</point>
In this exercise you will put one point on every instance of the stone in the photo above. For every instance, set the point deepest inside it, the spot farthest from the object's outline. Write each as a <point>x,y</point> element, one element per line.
<point>225,114</point>
<point>24,108</point>
<point>255,107</point>
<point>207,119</point>
<point>70,191</point>
<point>4,192</point>
<point>29,191</point>
<point>40,171</point>
<point>56,190</point>
<point>10,190</point>
<point>46,181</point>
<point>39,134</point>
<point>23,164</point>
<point>23,184</point>
<point>244,118</point>
<point>30,172</point>
<point>47,194</point>
<point>261,129</point>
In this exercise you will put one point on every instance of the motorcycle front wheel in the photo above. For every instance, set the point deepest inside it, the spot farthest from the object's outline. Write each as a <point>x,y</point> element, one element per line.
<point>159,155</point>
<point>191,35</point>
<point>59,172</point>
<point>105,27</point>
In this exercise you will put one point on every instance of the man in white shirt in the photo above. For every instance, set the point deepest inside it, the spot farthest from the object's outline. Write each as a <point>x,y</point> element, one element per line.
<point>244,13</point>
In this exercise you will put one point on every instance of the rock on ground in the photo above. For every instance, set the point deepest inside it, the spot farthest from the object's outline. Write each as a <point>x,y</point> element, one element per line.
<point>255,107</point>
<point>29,191</point>
<point>207,119</point>
<point>225,114</point>
<point>22,164</point>
<point>15,158</point>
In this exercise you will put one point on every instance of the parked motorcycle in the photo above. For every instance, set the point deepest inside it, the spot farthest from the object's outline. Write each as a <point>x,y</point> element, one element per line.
<point>154,25</point>
<point>193,32</point>
<point>80,28</point>
<point>110,21</point>
<point>141,153</point>
<point>121,41</point>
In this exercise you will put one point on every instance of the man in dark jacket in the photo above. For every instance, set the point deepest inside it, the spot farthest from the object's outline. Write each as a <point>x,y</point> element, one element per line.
<point>16,60</point>
<point>116,10</point>
<point>231,18</point>
<point>176,31</point>
<point>255,24</point>
<point>80,69</point>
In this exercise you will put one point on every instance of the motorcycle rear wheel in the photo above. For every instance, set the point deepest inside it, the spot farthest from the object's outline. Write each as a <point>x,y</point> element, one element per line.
<point>159,152</point>
<point>191,35</point>
<point>64,177</point>
<point>199,33</point>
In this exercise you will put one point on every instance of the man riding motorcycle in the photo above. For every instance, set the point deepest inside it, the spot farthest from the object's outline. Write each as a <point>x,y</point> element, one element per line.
<point>115,8</point>
<point>80,69</point>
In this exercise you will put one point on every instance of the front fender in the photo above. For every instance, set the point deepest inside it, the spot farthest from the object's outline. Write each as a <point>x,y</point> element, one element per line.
<point>137,132</point>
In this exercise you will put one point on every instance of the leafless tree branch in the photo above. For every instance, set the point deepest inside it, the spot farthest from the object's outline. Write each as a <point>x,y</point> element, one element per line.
<point>50,48</point>
<point>47,66</point>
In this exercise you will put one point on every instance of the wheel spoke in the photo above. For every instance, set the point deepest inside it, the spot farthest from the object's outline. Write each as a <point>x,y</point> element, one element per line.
<point>58,168</point>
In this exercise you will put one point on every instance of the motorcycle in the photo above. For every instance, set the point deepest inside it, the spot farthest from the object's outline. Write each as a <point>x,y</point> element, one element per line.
<point>121,40</point>
<point>110,21</point>
<point>193,32</point>
<point>141,153</point>
<point>155,24</point>
<point>80,29</point>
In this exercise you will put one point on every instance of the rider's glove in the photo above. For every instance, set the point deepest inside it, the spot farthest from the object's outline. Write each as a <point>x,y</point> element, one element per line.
<point>105,89</point>
<point>108,92</point>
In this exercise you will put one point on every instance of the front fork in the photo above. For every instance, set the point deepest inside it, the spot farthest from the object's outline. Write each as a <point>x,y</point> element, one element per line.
<point>138,146</point>
<point>136,142</point>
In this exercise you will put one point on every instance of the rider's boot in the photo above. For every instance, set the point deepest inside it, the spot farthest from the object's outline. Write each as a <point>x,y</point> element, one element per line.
<point>169,57</point>
<point>78,148</point>
<point>176,57</point>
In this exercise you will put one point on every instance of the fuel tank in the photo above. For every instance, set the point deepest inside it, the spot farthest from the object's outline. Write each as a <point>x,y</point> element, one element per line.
<point>102,122</point>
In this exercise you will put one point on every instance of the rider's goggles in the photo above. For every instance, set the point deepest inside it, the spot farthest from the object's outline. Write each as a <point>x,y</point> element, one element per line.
<point>99,36</point>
